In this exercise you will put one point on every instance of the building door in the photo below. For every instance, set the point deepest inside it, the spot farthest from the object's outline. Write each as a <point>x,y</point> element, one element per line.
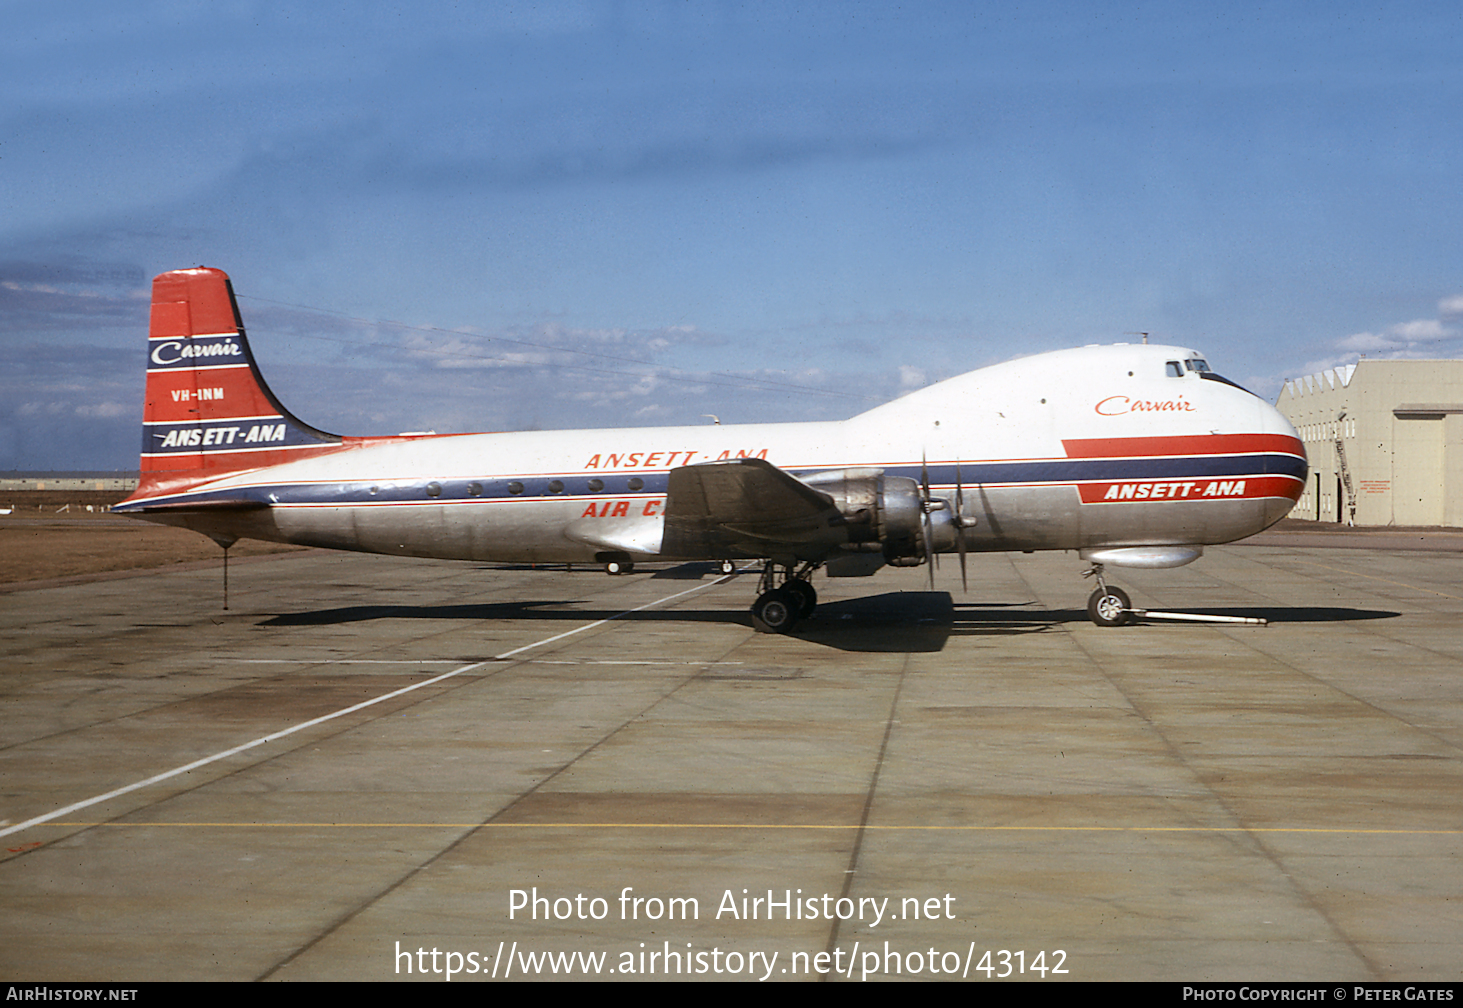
<point>1417,471</point>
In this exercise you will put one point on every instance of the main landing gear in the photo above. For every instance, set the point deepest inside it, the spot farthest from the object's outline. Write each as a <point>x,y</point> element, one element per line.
<point>1108,606</point>
<point>615,563</point>
<point>786,597</point>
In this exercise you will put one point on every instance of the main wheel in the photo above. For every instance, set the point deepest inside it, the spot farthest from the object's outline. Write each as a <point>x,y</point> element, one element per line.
<point>806,596</point>
<point>727,567</point>
<point>619,567</point>
<point>775,611</point>
<point>1109,607</point>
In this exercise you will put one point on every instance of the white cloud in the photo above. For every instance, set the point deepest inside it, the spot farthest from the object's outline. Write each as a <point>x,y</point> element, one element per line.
<point>1419,330</point>
<point>1365,342</point>
<point>107,410</point>
<point>911,377</point>
<point>1418,339</point>
<point>1401,339</point>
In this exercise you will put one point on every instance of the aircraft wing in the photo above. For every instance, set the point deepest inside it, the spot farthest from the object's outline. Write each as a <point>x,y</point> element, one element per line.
<point>747,507</point>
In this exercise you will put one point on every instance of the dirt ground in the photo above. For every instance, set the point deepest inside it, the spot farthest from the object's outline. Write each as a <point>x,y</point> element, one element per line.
<point>38,541</point>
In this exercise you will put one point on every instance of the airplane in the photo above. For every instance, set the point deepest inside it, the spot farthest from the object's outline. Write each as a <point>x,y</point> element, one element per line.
<point>1133,455</point>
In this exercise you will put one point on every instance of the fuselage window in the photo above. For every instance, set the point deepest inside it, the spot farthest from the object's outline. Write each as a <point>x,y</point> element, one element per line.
<point>557,486</point>
<point>636,483</point>
<point>474,489</point>
<point>434,489</point>
<point>596,485</point>
<point>1175,369</point>
<point>515,488</point>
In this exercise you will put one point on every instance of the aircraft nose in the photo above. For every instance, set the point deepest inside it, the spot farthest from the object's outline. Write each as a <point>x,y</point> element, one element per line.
<point>1287,454</point>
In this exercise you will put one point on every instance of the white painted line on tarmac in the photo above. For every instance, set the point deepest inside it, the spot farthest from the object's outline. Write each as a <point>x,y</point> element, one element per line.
<point>205,761</point>
<point>340,661</point>
<point>607,619</point>
<point>641,661</point>
<point>450,661</point>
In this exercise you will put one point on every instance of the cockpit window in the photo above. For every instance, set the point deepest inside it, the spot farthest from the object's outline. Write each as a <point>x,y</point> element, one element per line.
<point>1200,367</point>
<point>1214,376</point>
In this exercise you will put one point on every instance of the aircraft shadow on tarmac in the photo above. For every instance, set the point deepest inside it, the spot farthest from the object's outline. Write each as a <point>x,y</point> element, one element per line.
<point>891,622</point>
<point>902,621</point>
<point>679,572</point>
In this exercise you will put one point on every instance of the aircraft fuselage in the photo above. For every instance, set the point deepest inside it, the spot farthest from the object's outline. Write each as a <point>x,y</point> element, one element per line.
<point>1100,446</point>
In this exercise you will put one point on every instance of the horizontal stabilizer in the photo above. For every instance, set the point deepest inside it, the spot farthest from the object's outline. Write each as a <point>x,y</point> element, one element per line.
<point>215,504</point>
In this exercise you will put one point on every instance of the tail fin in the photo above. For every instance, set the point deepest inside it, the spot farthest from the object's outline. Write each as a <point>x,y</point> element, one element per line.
<point>208,411</point>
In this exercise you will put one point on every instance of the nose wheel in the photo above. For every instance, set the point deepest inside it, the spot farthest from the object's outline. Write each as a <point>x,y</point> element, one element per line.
<point>1108,606</point>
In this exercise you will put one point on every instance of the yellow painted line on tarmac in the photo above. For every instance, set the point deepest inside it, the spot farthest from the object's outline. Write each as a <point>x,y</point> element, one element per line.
<point>785,826</point>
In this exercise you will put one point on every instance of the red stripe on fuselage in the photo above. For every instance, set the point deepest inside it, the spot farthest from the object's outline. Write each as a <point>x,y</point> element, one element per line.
<point>1203,489</point>
<point>1183,444</point>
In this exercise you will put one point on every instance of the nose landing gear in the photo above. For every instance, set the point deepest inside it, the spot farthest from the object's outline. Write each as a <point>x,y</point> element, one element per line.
<point>1108,606</point>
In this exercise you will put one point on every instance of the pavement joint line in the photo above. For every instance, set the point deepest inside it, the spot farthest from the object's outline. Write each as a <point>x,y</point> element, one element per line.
<point>273,736</point>
<point>787,826</point>
<point>1142,704</point>
<point>454,843</point>
<point>856,847</point>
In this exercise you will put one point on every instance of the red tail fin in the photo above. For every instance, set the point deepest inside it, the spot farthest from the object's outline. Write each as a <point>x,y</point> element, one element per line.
<point>208,411</point>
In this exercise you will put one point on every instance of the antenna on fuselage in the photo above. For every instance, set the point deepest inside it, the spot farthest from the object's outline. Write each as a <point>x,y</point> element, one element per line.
<point>1143,334</point>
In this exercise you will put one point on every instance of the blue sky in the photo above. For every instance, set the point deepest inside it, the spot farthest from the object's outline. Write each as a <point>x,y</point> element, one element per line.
<point>604,214</point>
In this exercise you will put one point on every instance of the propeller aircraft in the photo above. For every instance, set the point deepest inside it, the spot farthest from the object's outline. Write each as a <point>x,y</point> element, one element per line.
<point>1131,455</point>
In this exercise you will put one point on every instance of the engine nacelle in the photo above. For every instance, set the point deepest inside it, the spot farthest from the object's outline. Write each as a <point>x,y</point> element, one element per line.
<point>884,514</point>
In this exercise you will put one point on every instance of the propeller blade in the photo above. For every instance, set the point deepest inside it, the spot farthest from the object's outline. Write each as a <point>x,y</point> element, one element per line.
<point>960,528</point>
<point>929,527</point>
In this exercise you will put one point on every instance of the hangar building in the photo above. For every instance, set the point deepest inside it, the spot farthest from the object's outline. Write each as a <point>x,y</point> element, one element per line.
<point>1384,439</point>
